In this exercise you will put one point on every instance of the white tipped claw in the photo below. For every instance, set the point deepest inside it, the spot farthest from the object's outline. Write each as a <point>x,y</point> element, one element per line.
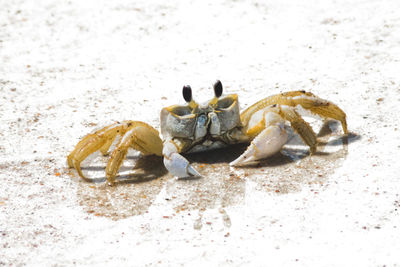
<point>244,159</point>
<point>267,143</point>
<point>178,166</point>
<point>192,171</point>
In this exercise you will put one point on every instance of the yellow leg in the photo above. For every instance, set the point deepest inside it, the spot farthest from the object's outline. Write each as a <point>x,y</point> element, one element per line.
<point>306,100</point>
<point>302,128</point>
<point>106,146</point>
<point>90,144</point>
<point>138,135</point>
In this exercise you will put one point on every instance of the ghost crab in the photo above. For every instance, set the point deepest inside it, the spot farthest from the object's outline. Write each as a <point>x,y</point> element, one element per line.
<point>218,122</point>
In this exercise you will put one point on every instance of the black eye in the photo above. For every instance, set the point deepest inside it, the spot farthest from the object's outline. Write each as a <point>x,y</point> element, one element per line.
<point>187,93</point>
<point>218,88</point>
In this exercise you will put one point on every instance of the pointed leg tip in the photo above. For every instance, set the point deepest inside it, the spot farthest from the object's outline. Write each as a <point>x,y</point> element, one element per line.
<point>77,167</point>
<point>70,162</point>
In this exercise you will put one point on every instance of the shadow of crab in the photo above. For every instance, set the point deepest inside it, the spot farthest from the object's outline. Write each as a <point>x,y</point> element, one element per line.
<point>221,186</point>
<point>133,193</point>
<point>293,168</point>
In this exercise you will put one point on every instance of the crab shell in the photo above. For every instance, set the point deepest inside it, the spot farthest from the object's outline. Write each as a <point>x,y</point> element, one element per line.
<point>202,125</point>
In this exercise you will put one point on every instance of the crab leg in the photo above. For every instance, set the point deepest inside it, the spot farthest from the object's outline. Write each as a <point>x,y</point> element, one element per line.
<point>306,100</point>
<point>139,136</point>
<point>175,163</point>
<point>90,144</point>
<point>301,127</point>
<point>104,149</point>
<point>267,128</point>
<point>135,134</point>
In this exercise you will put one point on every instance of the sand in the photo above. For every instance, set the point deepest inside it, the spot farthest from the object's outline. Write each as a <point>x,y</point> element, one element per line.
<point>69,67</point>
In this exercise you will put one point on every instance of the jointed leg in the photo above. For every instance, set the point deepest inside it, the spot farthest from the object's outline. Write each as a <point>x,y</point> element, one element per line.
<point>301,127</point>
<point>91,143</point>
<point>138,135</point>
<point>323,108</point>
<point>306,100</point>
<point>106,146</point>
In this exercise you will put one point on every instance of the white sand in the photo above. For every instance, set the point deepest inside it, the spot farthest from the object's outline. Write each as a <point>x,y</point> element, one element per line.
<point>68,67</point>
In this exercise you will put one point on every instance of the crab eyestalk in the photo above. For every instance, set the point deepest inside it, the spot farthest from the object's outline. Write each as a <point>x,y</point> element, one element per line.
<point>187,95</point>
<point>217,86</point>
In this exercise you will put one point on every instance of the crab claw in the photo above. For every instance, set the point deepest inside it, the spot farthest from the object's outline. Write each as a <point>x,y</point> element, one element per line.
<point>175,163</point>
<point>267,143</point>
<point>180,167</point>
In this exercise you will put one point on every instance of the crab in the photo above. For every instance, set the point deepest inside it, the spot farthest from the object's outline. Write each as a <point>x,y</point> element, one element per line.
<point>216,123</point>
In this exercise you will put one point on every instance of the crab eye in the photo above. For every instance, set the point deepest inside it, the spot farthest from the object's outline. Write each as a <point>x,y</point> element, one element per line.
<point>217,88</point>
<point>187,93</point>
